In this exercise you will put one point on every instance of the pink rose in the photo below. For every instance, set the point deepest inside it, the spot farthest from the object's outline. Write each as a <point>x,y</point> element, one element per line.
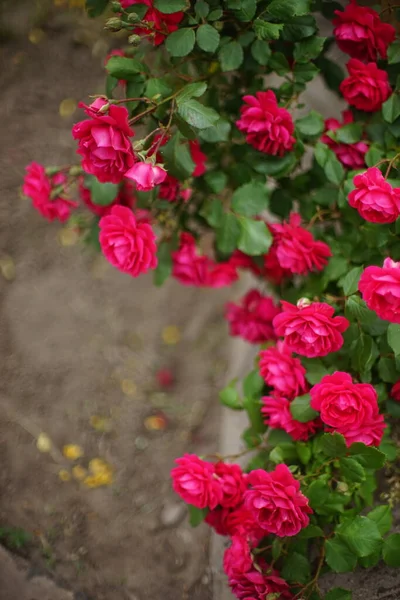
<point>104,142</point>
<point>360,32</point>
<point>296,249</point>
<point>128,245</point>
<point>165,378</point>
<point>146,176</point>
<point>240,521</point>
<point>268,127</point>
<point>380,289</point>
<point>352,156</point>
<point>198,157</point>
<point>195,482</point>
<point>374,198</point>
<point>163,24</point>
<point>233,483</point>
<point>47,193</point>
<point>281,371</point>
<point>277,415</point>
<point>367,87</point>
<point>216,519</point>
<point>350,409</point>
<point>310,330</point>
<point>259,582</point>
<point>252,318</point>
<point>237,558</point>
<point>276,502</point>
<point>395,391</point>
<point>191,268</point>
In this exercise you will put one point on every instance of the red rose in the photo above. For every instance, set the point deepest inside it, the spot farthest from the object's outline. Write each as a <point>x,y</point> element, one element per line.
<point>281,371</point>
<point>268,127</point>
<point>252,318</point>
<point>395,391</point>
<point>350,409</point>
<point>277,415</point>
<point>146,176</point>
<point>162,23</point>
<point>374,198</point>
<point>296,249</point>
<point>128,245</point>
<point>360,32</point>
<point>310,330</point>
<point>276,502</point>
<point>367,87</point>
<point>237,558</point>
<point>380,289</point>
<point>104,142</point>
<point>191,268</point>
<point>233,483</point>
<point>259,583</point>
<point>48,193</point>
<point>195,482</point>
<point>198,157</point>
<point>352,156</point>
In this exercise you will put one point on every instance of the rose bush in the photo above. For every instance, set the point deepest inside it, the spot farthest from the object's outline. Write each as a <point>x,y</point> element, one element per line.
<point>307,203</point>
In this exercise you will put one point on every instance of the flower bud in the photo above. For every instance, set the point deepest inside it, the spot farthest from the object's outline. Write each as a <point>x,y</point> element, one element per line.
<point>133,17</point>
<point>134,39</point>
<point>113,24</point>
<point>116,6</point>
<point>303,302</point>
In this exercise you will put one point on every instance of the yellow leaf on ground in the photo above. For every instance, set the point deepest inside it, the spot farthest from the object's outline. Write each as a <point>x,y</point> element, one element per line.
<point>102,473</point>
<point>129,387</point>
<point>171,335</point>
<point>72,451</point>
<point>43,443</point>
<point>64,475</point>
<point>155,423</point>
<point>7,268</point>
<point>79,472</point>
<point>36,35</point>
<point>67,107</point>
<point>102,424</point>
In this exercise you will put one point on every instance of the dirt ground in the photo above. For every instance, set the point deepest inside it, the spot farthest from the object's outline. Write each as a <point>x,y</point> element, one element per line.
<point>80,340</point>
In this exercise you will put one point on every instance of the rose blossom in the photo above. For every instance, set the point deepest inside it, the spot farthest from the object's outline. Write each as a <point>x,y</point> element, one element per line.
<point>296,249</point>
<point>366,87</point>
<point>146,176</point>
<point>259,583</point>
<point>281,371</point>
<point>198,157</point>
<point>104,142</point>
<point>237,558</point>
<point>350,409</point>
<point>38,186</point>
<point>162,23</point>
<point>360,32</point>
<point>268,127</point>
<point>374,198</point>
<point>380,289</point>
<point>252,318</point>
<point>195,482</point>
<point>395,391</point>
<point>352,156</point>
<point>310,330</point>
<point>276,502</point>
<point>128,245</point>
<point>191,268</point>
<point>277,415</point>
<point>233,483</point>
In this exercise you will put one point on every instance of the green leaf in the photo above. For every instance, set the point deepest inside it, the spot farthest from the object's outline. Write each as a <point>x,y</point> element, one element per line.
<point>215,14</point>
<point>369,457</point>
<point>122,67</point>
<point>164,265</point>
<point>181,42</point>
<point>284,452</point>
<point>382,516</point>
<point>207,38</point>
<point>310,125</point>
<point>197,115</point>
<point>219,132</point>
<point>391,550</point>
<point>267,31</point>
<point>279,63</point>
<point>227,235</point>
<point>156,86</point>
<point>316,370</point>
<point>191,90</point>
<point>352,470</point>
<point>252,407</point>
<point>213,212</point>
<point>317,493</point>
<point>349,134</point>
<point>394,53</point>
<point>387,370</point>
<point>326,158</point>
<point>244,10</point>
<point>261,51</point>
<point>95,8</point>
<point>333,445</point>
<point>196,515</point>
<point>201,9</point>
<point>255,237</point>
<point>364,354</point>
<point>102,194</point>
<point>253,384</point>
<point>229,396</point>
<point>170,6</point>
<point>231,56</point>
<point>285,9</point>
<point>393,337</point>
<point>338,594</point>
<point>111,84</point>
<point>349,283</point>
<point>301,410</point>
<point>177,157</point>
<point>304,72</point>
<point>274,165</point>
<point>308,49</point>
<point>311,531</point>
<point>296,568</point>
<point>361,536</point>
<point>391,108</point>
<point>250,199</point>
<point>217,180</point>
<point>339,557</point>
